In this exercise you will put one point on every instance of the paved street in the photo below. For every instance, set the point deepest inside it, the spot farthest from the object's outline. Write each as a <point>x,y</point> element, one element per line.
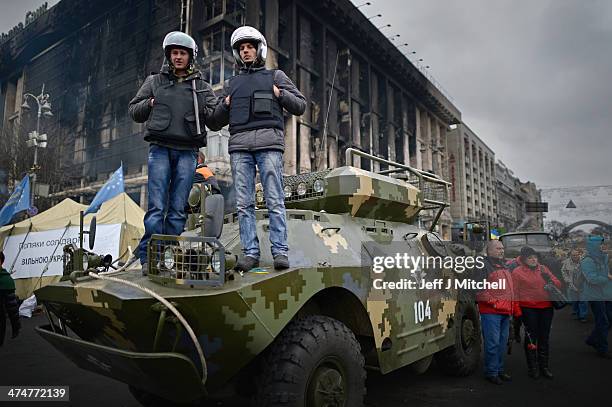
<point>581,379</point>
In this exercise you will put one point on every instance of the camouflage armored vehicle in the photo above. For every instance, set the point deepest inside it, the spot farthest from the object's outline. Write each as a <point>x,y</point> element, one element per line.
<point>193,328</point>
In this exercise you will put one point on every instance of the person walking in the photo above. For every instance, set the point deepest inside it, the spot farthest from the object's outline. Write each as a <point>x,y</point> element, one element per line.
<point>574,282</point>
<point>175,104</point>
<point>496,308</point>
<point>9,305</point>
<point>529,280</point>
<point>252,105</point>
<point>598,292</point>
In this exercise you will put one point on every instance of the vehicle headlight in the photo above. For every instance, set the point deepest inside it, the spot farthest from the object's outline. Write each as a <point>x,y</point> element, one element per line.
<point>259,197</point>
<point>318,186</point>
<point>85,262</point>
<point>287,191</point>
<point>169,258</point>
<point>301,189</point>
<point>194,195</point>
<point>215,262</point>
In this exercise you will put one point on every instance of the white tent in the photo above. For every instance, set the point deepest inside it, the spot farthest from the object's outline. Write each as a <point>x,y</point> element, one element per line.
<point>33,247</point>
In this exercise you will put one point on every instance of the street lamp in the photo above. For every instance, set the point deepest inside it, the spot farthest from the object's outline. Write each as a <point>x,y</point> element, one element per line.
<point>383,26</point>
<point>35,139</point>
<point>374,16</point>
<point>367,3</point>
<point>393,37</point>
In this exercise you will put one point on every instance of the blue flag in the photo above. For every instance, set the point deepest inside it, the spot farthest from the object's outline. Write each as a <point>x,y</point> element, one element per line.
<point>19,201</point>
<point>112,188</point>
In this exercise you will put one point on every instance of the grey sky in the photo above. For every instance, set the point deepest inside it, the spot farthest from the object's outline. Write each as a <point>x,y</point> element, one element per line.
<point>12,12</point>
<point>531,78</point>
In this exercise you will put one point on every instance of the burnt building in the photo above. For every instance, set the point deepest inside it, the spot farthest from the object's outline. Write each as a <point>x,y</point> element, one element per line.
<point>93,55</point>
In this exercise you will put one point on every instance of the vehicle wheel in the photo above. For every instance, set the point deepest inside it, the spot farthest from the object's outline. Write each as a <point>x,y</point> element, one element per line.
<point>151,400</point>
<point>316,361</point>
<point>463,357</point>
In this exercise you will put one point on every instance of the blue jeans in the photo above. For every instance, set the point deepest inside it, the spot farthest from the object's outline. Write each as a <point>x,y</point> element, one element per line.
<point>580,308</point>
<point>170,177</point>
<point>602,313</point>
<point>270,165</point>
<point>495,330</point>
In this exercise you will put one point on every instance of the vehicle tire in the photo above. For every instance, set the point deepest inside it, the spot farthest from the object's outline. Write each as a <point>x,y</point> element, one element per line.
<point>463,357</point>
<point>151,400</point>
<point>316,361</point>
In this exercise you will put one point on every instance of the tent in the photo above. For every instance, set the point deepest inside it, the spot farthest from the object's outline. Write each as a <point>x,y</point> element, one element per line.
<point>33,247</point>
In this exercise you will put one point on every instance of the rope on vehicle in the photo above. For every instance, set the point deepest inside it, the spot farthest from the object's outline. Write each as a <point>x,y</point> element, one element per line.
<point>170,307</point>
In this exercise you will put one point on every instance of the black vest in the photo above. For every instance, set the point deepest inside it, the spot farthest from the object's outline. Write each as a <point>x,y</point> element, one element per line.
<point>172,119</point>
<point>253,104</point>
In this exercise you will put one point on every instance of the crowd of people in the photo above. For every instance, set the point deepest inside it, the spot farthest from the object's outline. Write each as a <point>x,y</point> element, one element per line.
<point>535,287</point>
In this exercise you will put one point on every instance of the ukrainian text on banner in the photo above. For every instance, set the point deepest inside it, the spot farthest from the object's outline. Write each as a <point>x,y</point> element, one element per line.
<point>29,255</point>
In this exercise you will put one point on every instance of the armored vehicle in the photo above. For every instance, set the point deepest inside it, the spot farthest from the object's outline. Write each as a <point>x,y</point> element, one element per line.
<point>541,242</point>
<point>194,329</point>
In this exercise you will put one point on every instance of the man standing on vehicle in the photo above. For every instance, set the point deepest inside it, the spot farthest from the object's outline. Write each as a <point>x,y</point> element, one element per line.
<point>252,104</point>
<point>496,307</point>
<point>167,102</point>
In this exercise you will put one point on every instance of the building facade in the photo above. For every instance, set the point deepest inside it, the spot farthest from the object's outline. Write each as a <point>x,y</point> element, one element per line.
<point>92,57</point>
<point>472,173</point>
<point>507,199</point>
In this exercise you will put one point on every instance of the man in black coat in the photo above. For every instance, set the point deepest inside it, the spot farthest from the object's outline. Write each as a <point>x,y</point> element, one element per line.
<point>167,102</point>
<point>9,306</point>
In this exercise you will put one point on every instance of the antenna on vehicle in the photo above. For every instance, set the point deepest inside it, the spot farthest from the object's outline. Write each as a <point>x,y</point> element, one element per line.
<point>331,93</point>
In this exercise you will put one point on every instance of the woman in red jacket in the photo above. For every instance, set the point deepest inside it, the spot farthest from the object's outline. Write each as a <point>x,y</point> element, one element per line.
<point>529,280</point>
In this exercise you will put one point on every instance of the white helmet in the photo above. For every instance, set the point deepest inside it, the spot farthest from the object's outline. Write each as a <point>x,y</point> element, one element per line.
<point>180,39</point>
<point>250,34</point>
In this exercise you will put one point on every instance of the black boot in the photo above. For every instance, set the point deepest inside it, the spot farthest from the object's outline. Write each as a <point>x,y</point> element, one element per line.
<point>543,362</point>
<point>246,263</point>
<point>532,363</point>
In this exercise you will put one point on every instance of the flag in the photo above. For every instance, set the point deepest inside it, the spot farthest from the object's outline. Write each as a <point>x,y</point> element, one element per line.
<point>112,188</point>
<point>19,201</point>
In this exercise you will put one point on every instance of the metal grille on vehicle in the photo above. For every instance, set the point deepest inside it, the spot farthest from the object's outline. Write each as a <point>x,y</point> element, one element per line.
<point>186,261</point>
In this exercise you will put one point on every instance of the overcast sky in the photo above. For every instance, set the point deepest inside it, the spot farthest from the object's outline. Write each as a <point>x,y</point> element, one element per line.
<point>532,78</point>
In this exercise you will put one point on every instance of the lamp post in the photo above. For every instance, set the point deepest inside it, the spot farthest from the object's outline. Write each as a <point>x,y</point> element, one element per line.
<point>35,139</point>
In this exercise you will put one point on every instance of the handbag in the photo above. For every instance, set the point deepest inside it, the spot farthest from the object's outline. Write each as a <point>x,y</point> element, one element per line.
<point>556,297</point>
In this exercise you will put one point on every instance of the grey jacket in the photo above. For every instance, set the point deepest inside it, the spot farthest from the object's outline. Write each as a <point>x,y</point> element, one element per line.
<point>140,110</point>
<point>291,99</point>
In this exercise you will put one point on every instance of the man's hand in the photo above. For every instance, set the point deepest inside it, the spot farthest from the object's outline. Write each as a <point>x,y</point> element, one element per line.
<point>151,102</point>
<point>227,100</point>
<point>276,91</point>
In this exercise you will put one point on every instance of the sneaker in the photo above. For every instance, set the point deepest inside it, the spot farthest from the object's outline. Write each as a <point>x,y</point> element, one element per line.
<point>583,320</point>
<point>246,263</point>
<point>505,377</point>
<point>145,268</point>
<point>281,262</point>
<point>494,380</point>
